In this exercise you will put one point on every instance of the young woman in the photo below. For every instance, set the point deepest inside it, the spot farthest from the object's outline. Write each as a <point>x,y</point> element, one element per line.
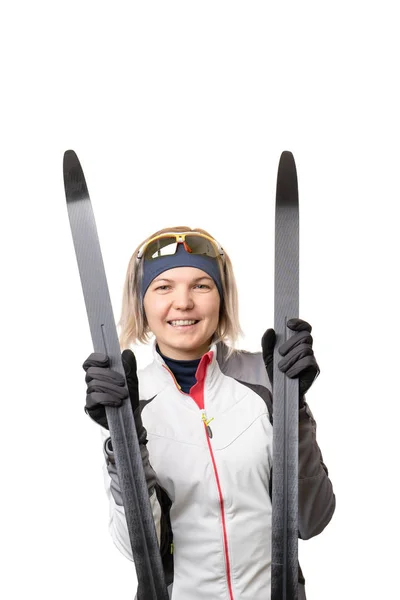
<point>203,414</point>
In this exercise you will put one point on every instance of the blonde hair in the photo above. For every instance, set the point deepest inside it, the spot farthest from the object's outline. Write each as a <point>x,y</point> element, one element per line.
<point>133,322</point>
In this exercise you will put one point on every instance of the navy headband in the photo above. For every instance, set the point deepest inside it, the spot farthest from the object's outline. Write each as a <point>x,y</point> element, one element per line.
<point>181,258</point>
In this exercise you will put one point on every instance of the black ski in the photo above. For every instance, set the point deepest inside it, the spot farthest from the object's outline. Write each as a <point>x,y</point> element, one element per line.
<point>145,550</point>
<point>284,585</point>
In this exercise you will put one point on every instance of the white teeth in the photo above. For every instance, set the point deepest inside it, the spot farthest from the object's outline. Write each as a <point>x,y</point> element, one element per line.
<point>178,323</point>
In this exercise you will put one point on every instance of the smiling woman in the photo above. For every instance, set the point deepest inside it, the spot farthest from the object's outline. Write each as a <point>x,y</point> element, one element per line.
<point>182,305</point>
<point>167,255</point>
<point>183,312</point>
<point>203,413</point>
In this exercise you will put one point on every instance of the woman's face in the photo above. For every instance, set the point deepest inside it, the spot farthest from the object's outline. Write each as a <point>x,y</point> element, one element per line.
<point>182,294</point>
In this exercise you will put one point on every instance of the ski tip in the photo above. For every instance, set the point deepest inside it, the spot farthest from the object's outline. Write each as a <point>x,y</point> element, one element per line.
<point>287,192</point>
<point>287,162</point>
<point>287,156</point>
<point>70,159</point>
<point>74,179</point>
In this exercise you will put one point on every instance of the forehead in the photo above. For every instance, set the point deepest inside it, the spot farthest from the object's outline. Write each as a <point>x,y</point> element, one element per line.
<point>182,274</point>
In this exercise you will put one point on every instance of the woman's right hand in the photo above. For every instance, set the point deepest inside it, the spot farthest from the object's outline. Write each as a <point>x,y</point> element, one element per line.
<point>106,387</point>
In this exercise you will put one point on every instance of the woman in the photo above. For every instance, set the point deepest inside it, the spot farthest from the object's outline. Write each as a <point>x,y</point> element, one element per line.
<point>205,428</point>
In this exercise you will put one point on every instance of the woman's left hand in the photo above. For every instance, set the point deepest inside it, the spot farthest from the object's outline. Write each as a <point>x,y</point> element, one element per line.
<point>299,360</point>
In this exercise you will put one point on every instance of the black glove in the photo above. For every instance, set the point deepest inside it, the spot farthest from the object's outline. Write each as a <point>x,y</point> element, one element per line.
<point>106,387</point>
<point>299,360</point>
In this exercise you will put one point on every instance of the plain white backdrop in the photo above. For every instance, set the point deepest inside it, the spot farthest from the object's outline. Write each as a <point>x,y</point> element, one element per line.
<point>179,112</point>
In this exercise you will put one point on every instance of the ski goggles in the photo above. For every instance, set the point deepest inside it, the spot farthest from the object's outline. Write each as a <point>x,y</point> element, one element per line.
<point>167,244</point>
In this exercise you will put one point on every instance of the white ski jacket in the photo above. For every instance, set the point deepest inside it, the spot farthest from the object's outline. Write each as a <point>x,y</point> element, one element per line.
<point>211,451</point>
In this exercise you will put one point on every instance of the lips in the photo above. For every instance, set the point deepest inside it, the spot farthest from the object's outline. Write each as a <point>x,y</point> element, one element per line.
<point>181,323</point>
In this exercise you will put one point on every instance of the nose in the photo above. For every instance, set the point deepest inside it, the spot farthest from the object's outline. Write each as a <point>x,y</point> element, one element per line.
<point>183,299</point>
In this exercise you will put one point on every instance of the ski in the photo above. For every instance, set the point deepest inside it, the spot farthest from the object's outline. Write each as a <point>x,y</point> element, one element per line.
<point>284,583</point>
<point>142,533</point>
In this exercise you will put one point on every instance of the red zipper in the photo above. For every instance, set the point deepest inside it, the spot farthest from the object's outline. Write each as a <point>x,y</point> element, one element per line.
<point>197,393</point>
<point>221,501</point>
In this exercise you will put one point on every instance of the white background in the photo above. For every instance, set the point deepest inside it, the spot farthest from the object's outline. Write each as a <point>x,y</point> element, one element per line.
<point>179,112</point>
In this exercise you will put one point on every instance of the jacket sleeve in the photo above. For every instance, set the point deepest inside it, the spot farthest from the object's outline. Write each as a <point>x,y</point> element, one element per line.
<point>316,498</point>
<point>117,521</point>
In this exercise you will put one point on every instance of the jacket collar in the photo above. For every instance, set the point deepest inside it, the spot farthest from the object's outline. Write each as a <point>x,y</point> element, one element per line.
<point>159,359</point>
<point>207,367</point>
